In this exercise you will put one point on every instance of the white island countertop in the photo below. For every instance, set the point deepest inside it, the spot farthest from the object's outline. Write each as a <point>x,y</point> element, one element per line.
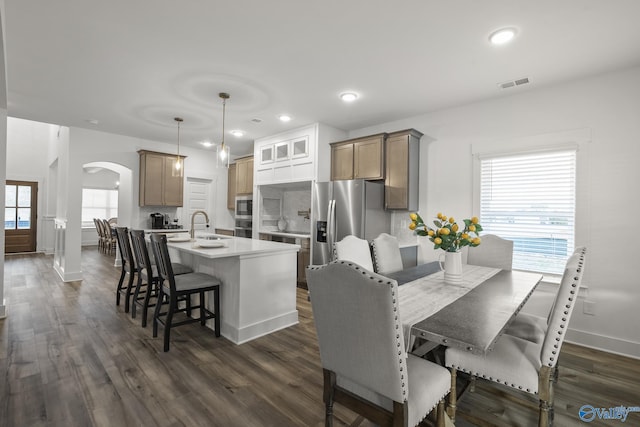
<point>229,246</point>
<point>258,291</point>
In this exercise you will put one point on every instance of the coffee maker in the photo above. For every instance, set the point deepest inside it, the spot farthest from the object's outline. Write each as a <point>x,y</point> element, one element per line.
<point>157,221</point>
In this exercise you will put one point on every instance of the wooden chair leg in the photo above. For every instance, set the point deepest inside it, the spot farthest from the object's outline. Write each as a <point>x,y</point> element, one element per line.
<point>545,394</point>
<point>440,414</point>
<point>329,387</point>
<point>453,398</point>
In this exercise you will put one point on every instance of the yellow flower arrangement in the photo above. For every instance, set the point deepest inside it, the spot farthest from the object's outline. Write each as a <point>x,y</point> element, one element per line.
<point>447,234</point>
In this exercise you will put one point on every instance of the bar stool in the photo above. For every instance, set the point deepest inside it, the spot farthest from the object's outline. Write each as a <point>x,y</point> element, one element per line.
<point>184,285</point>
<point>128,267</point>
<point>148,278</point>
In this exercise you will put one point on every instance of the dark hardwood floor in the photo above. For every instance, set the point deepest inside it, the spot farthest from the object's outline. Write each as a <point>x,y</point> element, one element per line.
<point>72,358</point>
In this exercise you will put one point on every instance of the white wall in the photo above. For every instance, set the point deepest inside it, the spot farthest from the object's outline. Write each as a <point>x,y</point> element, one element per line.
<point>608,107</point>
<point>27,161</point>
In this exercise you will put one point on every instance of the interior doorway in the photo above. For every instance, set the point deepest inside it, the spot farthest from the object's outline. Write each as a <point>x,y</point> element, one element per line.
<point>198,198</point>
<point>20,216</point>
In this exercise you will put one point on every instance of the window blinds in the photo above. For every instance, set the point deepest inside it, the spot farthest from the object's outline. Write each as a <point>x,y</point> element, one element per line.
<point>530,199</point>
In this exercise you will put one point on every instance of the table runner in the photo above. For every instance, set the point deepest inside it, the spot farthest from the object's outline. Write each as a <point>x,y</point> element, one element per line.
<point>427,295</point>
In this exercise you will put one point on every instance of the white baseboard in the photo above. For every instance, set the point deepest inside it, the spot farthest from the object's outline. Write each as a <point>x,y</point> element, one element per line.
<point>604,343</point>
<point>67,276</point>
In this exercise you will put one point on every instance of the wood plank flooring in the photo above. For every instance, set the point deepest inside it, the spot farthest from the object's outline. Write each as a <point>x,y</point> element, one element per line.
<point>70,357</point>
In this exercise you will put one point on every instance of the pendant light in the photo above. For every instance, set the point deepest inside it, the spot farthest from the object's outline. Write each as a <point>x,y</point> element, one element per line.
<point>223,152</point>
<point>178,165</point>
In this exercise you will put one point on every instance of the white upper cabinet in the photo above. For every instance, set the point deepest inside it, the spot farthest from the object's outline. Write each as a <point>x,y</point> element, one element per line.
<point>301,154</point>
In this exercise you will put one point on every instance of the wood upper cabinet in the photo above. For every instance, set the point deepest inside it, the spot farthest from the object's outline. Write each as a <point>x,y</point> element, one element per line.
<point>157,185</point>
<point>361,158</point>
<point>244,175</point>
<point>341,161</point>
<point>402,156</point>
<point>231,187</point>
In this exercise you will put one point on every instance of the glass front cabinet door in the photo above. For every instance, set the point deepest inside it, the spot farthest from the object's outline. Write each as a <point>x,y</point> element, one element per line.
<point>266,154</point>
<point>282,151</point>
<point>300,147</point>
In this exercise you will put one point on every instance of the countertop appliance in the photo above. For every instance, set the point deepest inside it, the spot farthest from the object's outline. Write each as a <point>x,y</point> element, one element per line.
<point>157,221</point>
<point>340,208</point>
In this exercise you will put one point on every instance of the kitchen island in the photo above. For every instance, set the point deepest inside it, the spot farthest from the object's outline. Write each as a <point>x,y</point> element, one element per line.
<point>258,292</point>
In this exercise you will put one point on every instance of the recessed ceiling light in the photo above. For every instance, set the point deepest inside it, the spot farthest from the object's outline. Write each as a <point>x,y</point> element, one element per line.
<point>348,96</point>
<point>206,144</point>
<point>237,133</point>
<point>93,121</point>
<point>284,117</point>
<point>502,36</point>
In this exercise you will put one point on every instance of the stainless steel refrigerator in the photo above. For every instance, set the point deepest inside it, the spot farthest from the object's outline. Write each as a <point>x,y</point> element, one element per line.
<point>340,208</point>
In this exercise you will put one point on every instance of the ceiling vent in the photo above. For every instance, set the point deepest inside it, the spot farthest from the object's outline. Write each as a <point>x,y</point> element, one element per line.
<point>513,83</point>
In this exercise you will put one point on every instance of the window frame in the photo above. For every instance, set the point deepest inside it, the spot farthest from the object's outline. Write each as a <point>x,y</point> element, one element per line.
<point>577,140</point>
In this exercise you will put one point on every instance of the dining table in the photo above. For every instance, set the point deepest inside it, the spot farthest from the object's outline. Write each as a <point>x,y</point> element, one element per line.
<point>471,315</point>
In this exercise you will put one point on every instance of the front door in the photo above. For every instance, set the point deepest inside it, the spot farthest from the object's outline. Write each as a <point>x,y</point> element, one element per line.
<point>20,214</point>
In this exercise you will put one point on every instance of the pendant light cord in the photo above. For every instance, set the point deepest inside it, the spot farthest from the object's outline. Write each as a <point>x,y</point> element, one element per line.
<point>224,108</point>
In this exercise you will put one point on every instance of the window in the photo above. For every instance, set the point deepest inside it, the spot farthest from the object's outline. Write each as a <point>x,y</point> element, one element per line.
<point>531,199</point>
<point>98,203</point>
<point>17,210</point>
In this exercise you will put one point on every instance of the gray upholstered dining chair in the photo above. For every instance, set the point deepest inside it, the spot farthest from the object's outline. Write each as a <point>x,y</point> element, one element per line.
<point>494,251</point>
<point>521,364</point>
<point>352,248</point>
<point>531,327</point>
<point>386,254</point>
<point>362,350</point>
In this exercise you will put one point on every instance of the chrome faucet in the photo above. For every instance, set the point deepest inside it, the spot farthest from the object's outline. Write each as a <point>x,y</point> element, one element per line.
<point>192,232</point>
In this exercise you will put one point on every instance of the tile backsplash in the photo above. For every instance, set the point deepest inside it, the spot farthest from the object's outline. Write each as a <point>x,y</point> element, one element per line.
<point>295,202</point>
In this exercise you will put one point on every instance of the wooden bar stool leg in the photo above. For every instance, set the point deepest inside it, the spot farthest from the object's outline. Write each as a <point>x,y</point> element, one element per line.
<point>202,313</point>
<point>156,312</point>
<point>147,300</point>
<point>127,294</point>
<point>216,306</point>
<point>136,295</point>
<point>119,289</point>
<point>173,305</point>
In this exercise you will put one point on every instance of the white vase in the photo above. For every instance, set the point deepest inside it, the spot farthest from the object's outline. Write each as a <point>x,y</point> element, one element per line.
<point>452,267</point>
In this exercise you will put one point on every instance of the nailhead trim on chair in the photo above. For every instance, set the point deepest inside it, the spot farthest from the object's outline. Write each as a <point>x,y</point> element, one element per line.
<point>401,359</point>
<point>402,356</point>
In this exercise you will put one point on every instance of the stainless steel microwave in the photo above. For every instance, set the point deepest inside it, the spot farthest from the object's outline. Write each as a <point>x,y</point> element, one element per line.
<point>244,206</point>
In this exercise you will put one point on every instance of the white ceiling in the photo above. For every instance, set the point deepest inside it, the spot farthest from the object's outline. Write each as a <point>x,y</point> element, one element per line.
<point>135,65</point>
